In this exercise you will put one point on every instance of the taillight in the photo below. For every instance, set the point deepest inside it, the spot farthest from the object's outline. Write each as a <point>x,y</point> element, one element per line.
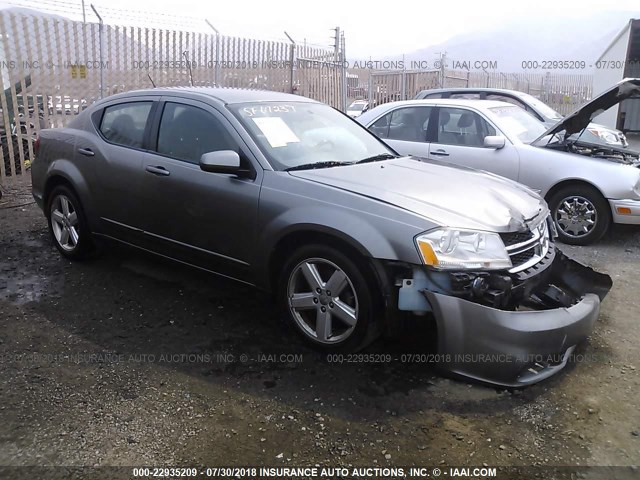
<point>36,145</point>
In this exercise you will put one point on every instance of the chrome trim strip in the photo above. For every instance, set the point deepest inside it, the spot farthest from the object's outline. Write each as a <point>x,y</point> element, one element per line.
<point>540,239</point>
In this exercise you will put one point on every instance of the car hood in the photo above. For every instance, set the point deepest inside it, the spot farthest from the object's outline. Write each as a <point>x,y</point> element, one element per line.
<point>580,119</point>
<point>444,194</point>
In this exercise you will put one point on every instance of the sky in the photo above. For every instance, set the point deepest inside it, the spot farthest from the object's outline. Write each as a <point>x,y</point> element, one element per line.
<point>370,27</point>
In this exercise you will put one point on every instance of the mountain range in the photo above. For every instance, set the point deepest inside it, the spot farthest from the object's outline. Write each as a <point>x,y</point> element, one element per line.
<point>537,39</point>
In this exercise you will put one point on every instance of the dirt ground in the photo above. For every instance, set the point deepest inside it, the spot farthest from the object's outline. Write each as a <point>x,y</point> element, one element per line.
<point>127,360</point>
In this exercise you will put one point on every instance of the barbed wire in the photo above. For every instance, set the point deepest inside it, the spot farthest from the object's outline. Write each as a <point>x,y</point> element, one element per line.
<point>138,18</point>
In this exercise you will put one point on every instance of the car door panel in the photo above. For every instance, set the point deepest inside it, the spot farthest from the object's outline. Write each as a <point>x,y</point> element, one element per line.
<point>460,140</point>
<point>406,130</point>
<point>117,152</point>
<point>203,218</point>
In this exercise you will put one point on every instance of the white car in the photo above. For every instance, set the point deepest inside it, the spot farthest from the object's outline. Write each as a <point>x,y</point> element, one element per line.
<point>357,108</point>
<point>66,105</point>
<point>595,133</point>
<point>587,185</point>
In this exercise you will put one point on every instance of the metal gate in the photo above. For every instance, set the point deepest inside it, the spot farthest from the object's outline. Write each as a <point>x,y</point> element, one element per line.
<point>562,92</point>
<point>52,68</point>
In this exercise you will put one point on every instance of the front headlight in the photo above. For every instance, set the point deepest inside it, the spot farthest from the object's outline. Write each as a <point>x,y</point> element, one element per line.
<point>636,187</point>
<point>452,249</point>
<point>606,135</point>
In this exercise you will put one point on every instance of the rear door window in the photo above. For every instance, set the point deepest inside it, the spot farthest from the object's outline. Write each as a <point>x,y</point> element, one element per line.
<point>125,123</point>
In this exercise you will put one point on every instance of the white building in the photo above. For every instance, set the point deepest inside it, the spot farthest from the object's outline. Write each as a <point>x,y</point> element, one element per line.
<point>621,59</point>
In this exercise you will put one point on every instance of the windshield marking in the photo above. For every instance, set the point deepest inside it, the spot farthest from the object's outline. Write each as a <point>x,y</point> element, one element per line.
<point>276,131</point>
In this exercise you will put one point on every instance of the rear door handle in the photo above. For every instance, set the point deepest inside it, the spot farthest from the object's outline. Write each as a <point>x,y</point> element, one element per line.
<point>440,152</point>
<point>158,170</point>
<point>87,152</point>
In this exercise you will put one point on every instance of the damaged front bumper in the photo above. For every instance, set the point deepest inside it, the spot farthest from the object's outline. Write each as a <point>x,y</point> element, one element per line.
<point>517,329</point>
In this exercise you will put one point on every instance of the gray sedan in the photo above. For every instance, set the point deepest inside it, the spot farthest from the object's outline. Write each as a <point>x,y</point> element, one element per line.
<point>291,196</point>
<point>588,186</point>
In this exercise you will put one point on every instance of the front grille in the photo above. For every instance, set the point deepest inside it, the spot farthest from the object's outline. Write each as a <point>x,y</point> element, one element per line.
<point>527,248</point>
<point>513,238</point>
<point>522,257</point>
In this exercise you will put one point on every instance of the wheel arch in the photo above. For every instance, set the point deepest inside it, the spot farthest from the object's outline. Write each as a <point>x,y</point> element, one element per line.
<point>374,271</point>
<point>568,182</point>
<point>605,217</point>
<point>64,172</point>
<point>310,234</point>
<point>54,181</point>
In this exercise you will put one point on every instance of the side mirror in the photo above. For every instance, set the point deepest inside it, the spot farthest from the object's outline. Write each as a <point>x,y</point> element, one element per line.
<point>222,161</point>
<point>494,141</point>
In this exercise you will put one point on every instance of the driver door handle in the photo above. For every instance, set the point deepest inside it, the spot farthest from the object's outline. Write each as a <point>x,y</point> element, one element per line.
<point>158,170</point>
<point>87,152</point>
<point>440,152</point>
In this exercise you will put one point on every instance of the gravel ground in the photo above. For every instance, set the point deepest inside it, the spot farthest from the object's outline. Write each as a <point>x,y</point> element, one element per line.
<point>127,360</point>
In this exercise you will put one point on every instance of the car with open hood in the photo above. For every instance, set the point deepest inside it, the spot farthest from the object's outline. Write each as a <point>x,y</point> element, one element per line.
<point>587,185</point>
<point>291,196</point>
<point>594,133</point>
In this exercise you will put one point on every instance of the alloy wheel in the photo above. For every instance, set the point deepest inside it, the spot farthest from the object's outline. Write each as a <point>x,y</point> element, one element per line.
<point>576,216</point>
<point>322,300</point>
<point>64,223</point>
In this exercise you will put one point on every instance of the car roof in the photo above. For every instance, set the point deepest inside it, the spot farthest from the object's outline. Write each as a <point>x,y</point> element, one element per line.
<point>472,89</point>
<point>462,102</point>
<point>374,114</point>
<point>226,95</point>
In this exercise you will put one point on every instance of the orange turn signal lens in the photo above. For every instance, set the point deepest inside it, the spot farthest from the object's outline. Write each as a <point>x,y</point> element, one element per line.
<point>623,210</point>
<point>428,254</point>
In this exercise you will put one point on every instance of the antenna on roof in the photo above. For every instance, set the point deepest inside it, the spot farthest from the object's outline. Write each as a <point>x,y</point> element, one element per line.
<point>189,67</point>
<point>151,80</point>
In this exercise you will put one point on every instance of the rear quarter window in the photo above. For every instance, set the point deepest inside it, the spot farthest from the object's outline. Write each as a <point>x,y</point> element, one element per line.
<point>124,124</point>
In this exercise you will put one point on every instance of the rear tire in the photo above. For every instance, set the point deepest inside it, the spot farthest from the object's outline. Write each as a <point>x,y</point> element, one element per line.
<point>581,214</point>
<point>325,297</point>
<point>68,224</point>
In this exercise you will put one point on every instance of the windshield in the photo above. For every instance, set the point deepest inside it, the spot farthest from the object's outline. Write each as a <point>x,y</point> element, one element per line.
<point>299,133</point>
<point>356,106</point>
<point>519,123</point>
<point>544,109</point>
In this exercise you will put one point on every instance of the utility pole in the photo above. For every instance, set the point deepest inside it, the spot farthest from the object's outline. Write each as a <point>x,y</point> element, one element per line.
<point>343,68</point>
<point>443,61</point>
<point>292,59</point>
<point>217,64</point>
<point>101,34</point>
<point>336,45</point>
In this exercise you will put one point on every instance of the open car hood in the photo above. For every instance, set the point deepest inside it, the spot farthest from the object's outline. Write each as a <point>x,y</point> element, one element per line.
<point>580,119</point>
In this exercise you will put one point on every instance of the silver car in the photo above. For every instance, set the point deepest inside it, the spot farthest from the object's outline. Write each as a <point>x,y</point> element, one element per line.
<point>292,196</point>
<point>594,133</point>
<point>587,186</point>
<point>357,108</point>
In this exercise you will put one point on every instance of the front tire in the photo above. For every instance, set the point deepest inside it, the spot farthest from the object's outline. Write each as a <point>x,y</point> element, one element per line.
<point>581,214</point>
<point>328,301</point>
<point>68,224</point>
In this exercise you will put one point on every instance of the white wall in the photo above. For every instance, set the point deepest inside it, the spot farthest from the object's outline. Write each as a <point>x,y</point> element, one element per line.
<point>605,77</point>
